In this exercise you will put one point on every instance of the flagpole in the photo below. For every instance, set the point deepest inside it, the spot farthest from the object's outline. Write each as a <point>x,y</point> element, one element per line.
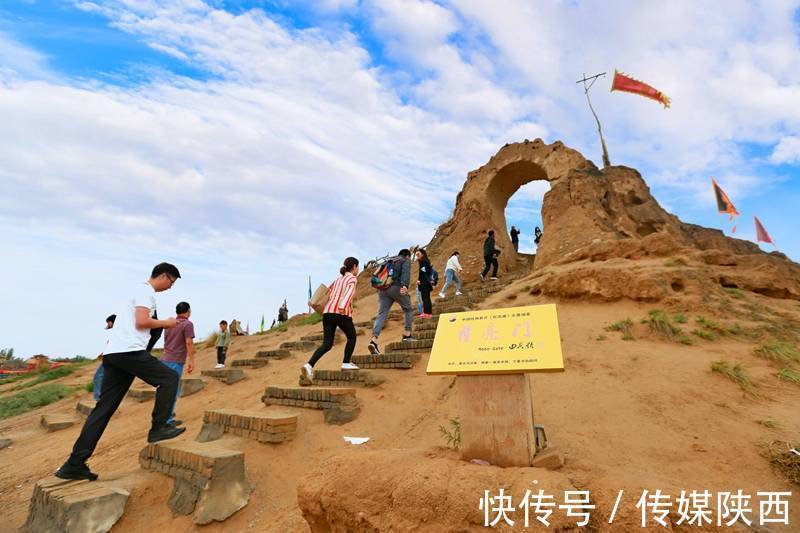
<point>606,160</point>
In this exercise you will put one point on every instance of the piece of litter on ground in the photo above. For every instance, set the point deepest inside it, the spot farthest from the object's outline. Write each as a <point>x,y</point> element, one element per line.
<point>480,462</point>
<point>794,451</point>
<point>356,440</point>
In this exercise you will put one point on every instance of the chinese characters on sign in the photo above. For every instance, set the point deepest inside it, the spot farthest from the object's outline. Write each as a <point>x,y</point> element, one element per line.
<point>497,341</point>
<point>692,508</point>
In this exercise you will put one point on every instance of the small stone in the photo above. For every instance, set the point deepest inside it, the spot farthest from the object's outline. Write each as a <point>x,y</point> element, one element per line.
<point>550,459</point>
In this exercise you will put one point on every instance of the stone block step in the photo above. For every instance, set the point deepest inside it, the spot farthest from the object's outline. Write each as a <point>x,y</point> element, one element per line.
<point>228,376</point>
<point>339,405</point>
<point>409,345</point>
<point>63,506</point>
<point>441,309</point>
<point>191,385</point>
<point>424,334</point>
<point>343,378</point>
<point>84,407</point>
<point>397,361</point>
<point>57,422</point>
<point>298,345</point>
<point>339,336</point>
<point>252,363</point>
<point>209,479</point>
<point>420,321</point>
<point>273,427</point>
<point>142,394</point>
<point>426,325</point>
<point>274,354</point>
<point>367,324</point>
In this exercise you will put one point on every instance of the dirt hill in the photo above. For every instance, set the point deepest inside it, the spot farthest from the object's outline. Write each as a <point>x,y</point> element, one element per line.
<point>673,336</point>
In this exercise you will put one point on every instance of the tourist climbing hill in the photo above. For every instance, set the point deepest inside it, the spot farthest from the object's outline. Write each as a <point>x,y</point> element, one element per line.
<point>338,313</point>
<point>515,237</point>
<point>394,291</point>
<point>425,282</point>
<point>452,273</point>
<point>490,254</point>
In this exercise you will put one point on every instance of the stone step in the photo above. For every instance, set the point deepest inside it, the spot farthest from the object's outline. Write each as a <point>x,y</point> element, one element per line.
<point>56,422</point>
<point>298,345</point>
<point>229,376</point>
<point>59,505</point>
<point>84,407</point>
<point>365,324</point>
<point>409,345</point>
<point>272,427</point>
<point>392,360</point>
<point>252,363</point>
<point>191,385</point>
<point>342,378</point>
<point>426,325</point>
<point>441,309</point>
<point>5,442</point>
<point>420,321</point>
<point>424,334</point>
<point>339,405</point>
<point>339,336</point>
<point>274,354</point>
<point>142,394</point>
<point>209,479</point>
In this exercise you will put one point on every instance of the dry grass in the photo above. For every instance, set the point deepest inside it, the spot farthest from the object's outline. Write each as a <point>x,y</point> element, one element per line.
<point>780,352</point>
<point>785,461</point>
<point>625,327</point>
<point>735,373</point>
<point>661,323</point>
<point>789,374</point>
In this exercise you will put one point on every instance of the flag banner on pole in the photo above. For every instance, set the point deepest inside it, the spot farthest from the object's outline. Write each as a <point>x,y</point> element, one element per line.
<point>724,204</point>
<point>761,232</point>
<point>247,329</point>
<point>630,85</point>
<point>262,324</point>
<point>309,295</point>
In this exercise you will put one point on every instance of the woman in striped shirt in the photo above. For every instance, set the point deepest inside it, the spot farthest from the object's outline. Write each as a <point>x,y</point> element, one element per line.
<point>338,312</point>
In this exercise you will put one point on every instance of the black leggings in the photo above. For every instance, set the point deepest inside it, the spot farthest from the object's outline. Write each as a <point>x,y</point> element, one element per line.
<point>489,261</point>
<point>425,293</point>
<point>222,351</point>
<point>330,321</point>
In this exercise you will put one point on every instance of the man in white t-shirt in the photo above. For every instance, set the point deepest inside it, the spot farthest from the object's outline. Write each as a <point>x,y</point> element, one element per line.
<point>126,357</point>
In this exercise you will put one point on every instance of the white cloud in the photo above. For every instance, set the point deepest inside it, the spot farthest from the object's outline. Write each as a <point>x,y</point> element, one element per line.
<point>787,151</point>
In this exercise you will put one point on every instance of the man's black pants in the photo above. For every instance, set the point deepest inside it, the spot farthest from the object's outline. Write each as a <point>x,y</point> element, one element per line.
<point>119,369</point>
<point>489,261</point>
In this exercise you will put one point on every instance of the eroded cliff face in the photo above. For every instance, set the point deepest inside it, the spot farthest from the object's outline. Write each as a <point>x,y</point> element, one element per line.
<point>593,216</point>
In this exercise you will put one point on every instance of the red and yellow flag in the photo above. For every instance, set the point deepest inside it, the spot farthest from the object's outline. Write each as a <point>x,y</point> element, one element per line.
<point>761,232</point>
<point>630,85</point>
<point>724,204</point>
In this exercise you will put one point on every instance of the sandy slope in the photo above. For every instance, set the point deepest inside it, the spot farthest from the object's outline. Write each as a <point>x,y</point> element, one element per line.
<point>642,413</point>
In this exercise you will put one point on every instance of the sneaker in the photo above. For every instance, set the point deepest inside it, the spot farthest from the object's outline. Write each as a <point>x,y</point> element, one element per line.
<point>349,366</point>
<point>67,471</point>
<point>482,278</point>
<point>494,278</point>
<point>308,372</point>
<point>441,295</point>
<point>410,338</point>
<point>373,348</point>
<point>219,365</point>
<point>459,293</point>
<point>175,422</point>
<point>164,433</point>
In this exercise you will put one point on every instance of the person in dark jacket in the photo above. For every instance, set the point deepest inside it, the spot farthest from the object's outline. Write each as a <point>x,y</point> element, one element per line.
<point>397,292</point>
<point>489,256</point>
<point>424,283</point>
<point>515,237</point>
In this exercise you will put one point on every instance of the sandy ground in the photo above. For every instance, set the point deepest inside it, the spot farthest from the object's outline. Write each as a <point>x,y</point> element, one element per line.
<point>644,413</point>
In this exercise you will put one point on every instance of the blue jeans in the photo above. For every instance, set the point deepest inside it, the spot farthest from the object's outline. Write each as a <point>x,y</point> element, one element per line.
<point>419,300</point>
<point>449,276</point>
<point>178,368</point>
<point>97,381</point>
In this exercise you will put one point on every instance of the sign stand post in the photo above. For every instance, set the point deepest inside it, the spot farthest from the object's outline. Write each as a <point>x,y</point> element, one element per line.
<point>496,418</point>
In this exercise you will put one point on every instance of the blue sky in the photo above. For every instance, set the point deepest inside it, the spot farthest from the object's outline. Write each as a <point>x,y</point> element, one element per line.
<point>255,143</point>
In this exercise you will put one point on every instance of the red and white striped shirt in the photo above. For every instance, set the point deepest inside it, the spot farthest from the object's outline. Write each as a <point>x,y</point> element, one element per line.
<point>341,297</point>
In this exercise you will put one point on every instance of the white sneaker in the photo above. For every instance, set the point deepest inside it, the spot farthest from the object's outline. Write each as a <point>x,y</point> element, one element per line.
<point>459,293</point>
<point>441,295</point>
<point>349,366</point>
<point>308,372</point>
<point>219,365</point>
<point>494,278</point>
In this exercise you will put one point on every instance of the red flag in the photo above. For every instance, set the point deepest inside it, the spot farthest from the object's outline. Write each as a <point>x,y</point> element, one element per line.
<point>761,232</point>
<point>626,83</point>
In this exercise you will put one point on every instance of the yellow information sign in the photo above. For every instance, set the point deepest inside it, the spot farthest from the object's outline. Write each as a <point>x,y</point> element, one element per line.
<point>498,341</point>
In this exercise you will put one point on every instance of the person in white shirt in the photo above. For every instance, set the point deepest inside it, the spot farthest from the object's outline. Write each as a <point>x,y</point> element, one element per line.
<point>125,358</point>
<point>451,274</point>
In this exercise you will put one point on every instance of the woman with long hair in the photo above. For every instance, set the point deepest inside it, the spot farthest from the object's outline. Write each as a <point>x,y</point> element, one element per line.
<point>424,283</point>
<point>338,312</point>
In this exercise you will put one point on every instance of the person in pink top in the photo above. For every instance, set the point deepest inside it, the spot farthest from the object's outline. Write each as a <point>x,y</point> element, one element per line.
<point>338,312</point>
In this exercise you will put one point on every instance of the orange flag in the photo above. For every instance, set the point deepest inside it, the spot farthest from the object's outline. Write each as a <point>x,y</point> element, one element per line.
<point>761,232</point>
<point>724,204</point>
<point>630,85</point>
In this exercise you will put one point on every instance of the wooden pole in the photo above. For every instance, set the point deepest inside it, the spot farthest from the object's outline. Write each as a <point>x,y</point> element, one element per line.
<point>496,414</point>
<point>606,160</point>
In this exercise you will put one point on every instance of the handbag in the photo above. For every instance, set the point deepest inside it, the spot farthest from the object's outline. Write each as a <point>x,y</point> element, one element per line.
<point>320,299</point>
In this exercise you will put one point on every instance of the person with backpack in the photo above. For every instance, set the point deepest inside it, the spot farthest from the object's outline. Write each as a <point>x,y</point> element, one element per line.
<point>392,280</point>
<point>451,274</point>
<point>427,278</point>
<point>338,313</point>
<point>489,256</point>
<point>515,238</point>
